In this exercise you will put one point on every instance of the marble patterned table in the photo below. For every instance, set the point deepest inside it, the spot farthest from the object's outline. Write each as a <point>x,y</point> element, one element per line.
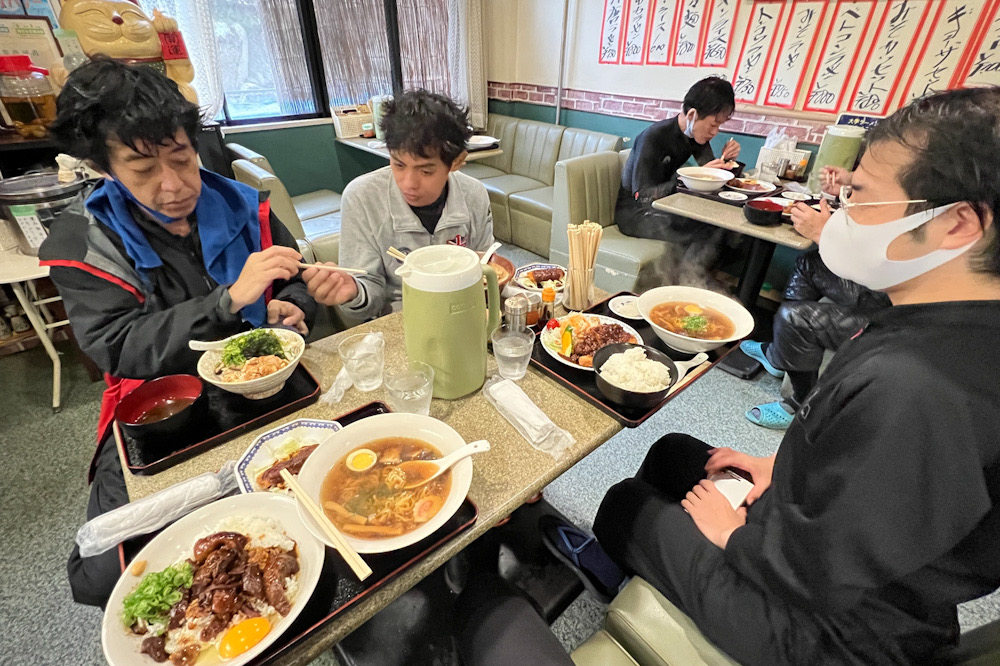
<point>503,478</point>
<point>726,216</point>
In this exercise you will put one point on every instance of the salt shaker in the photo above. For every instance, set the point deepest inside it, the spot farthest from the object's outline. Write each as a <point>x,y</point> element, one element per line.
<point>515,313</point>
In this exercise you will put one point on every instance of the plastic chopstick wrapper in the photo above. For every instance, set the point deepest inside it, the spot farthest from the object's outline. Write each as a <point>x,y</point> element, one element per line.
<point>515,406</point>
<point>343,381</point>
<point>154,511</point>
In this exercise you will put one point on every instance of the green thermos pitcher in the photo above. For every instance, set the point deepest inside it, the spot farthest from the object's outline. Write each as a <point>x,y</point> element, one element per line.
<point>445,315</point>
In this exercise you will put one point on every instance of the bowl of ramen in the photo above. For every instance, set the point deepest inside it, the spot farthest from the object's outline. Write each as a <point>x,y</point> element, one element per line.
<point>356,477</point>
<point>693,320</point>
<point>704,179</point>
<point>163,406</point>
<point>504,269</point>
<point>255,364</point>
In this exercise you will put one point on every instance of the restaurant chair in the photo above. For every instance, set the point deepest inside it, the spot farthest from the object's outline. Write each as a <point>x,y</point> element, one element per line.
<point>586,188</point>
<point>643,628</point>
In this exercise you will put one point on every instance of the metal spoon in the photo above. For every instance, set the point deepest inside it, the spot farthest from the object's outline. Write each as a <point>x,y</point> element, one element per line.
<point>419,472</point>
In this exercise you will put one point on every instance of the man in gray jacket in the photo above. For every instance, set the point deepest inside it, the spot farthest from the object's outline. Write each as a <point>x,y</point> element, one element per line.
<point>420,199</point>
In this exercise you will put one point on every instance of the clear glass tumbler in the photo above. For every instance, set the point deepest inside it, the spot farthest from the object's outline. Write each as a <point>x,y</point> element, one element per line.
<point>364,361</point>
<point>410,390</point>
<point>512,350</point>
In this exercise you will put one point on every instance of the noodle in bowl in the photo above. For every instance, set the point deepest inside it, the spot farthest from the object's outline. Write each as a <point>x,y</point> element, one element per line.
<point>263,387</point>
<point>360,435</point>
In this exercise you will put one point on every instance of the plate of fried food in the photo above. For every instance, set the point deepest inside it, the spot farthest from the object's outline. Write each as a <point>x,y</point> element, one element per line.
<point>751,186</point>
<point>538,276</point>
<point>217,586</point>
<point>575,338</point>
<point>285,447</point>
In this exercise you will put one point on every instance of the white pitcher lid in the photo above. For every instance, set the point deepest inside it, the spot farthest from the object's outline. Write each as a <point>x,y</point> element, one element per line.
<point>441,268</point>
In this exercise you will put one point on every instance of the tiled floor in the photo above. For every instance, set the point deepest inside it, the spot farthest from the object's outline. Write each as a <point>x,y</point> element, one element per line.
<point>43,484</point>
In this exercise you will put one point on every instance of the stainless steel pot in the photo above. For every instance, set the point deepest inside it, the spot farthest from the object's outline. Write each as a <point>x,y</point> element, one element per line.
<point>31,202</point>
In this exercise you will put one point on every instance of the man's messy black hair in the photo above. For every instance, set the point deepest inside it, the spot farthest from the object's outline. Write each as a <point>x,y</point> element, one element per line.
<point>710,97</point>
<point>108,100</point>
<point>954,139</point>
<point>425,124</point>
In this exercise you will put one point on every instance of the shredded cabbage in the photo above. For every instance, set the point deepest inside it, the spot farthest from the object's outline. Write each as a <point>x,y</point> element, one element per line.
<point>157,592</point>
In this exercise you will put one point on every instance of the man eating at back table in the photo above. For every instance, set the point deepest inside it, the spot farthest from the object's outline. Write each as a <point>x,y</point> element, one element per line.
<point>420,199</point>
<point>880,512</point>
<point>157,254</point>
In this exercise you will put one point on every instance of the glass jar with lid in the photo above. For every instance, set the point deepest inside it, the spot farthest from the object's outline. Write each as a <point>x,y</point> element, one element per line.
<point>29,102</point>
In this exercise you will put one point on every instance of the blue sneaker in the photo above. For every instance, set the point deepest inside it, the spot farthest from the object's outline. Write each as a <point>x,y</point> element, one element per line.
<point>755,351</point>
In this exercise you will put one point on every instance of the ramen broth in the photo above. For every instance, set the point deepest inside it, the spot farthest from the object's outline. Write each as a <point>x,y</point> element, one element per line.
<point>372,504</point>
<point>692,320</point>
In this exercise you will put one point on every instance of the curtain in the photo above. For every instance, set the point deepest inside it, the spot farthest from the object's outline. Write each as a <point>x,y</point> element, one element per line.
<point>423,44</point>
<point>196,23</point>
<point>355,50</point>
<point>467,69</point>
<point>280,21</point>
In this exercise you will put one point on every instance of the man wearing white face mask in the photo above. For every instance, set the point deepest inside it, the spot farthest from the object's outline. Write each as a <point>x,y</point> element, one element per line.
<point>880,513</point>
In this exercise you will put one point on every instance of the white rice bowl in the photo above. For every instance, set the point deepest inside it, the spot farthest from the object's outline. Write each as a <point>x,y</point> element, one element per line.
<point>632,371</point>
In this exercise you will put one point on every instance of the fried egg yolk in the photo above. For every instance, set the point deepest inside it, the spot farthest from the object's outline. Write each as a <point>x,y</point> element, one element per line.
<point>243,636</point>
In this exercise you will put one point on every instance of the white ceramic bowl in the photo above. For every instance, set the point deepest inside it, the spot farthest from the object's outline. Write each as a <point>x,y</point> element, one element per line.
<point>436,433</point>
<point>730,307</point>
<point>264,387</point>
<point>704,179</point>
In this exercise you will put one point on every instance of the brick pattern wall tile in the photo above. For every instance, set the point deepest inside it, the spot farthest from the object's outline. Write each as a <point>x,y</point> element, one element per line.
<point>648,108</point>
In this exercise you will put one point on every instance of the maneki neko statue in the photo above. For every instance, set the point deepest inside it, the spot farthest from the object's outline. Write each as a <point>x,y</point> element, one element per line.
<point>121,30</point>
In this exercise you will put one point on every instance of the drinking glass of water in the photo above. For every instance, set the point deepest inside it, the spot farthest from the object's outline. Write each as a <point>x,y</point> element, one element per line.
<point>364,359</point>
<point>512,350</point>
<point>410,390</point>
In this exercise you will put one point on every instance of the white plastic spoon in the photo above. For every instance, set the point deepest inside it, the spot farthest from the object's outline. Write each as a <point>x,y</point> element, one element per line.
<point>216,345</point>
<point>419,472</point>
<point>489,252</point>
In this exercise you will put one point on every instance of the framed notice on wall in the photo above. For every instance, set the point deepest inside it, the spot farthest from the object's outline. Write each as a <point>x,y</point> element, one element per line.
<point>690,32</point>
<point>946,38</point>
<point>662,21</point>
<point>797,44</point>
<point>719,32</point>
<point>901,23</point>
<point>636,32</point>
<point>758,49</point>
<point>838,55</point>
<point>981,66</point>
<point>30,36</point>
<point>611,32</point>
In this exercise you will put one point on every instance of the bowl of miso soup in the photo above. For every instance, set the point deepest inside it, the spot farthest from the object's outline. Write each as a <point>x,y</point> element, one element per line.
<point>356,477</point>
<point>160,407</point>
<point>693,320</point>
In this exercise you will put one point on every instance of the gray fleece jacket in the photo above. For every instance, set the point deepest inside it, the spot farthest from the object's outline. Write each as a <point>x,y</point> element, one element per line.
<point>375,217</point>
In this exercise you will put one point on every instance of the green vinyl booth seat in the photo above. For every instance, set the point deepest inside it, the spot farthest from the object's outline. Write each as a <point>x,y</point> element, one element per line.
<point>520,180</point>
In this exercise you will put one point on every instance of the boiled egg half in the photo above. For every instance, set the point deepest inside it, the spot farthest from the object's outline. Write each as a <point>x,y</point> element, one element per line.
<point>242,636</point>
<point>360,460</point>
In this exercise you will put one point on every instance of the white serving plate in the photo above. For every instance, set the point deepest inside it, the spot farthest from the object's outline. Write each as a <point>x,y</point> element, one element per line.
<point>768,187</point>
<point>480,142</point>
<point>547,336</point>
<point>524,270</point>
<point>261,453</point>
<point>176,543</point>
<point>618,302</point>
<point>733,196</point>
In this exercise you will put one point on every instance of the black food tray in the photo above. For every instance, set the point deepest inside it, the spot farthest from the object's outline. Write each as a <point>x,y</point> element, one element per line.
<point>338,588</point>
<point>714,196</point>
<point>223,416</point>
<point>582,382</point>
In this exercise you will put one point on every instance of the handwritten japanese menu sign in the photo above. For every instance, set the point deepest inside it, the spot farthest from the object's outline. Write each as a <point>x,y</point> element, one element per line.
<point>689,31</point>
<point>758,44</point>
<point>721,27</point>
<point>796,50</point>
<point>839,52</point>
<point>889,55</point>
<point>661,30</point>
<point>950,30</point>
<point>983,68</point>
<point>611,32</point>
<point>635,32</point>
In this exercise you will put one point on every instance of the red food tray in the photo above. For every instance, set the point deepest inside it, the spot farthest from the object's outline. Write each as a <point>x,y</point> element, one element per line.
<point>338,588</point>
<point>226,416</point>
<point>582,382</point>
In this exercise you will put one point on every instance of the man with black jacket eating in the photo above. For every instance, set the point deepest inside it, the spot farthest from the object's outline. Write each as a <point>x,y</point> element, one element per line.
<point>157,254</point>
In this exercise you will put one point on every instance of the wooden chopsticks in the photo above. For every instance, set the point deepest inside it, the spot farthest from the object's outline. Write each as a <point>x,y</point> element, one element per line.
<point>358,565</point>
<point>396,254</point>
<point>339,269</point>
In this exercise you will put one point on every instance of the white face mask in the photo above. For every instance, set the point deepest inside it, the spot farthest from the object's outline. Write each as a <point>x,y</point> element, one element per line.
<point>857,252</point>
<point>692,115</point>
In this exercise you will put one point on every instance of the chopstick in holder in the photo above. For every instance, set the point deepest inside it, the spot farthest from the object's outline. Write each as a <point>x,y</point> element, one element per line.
<point>358,565</point>
<point>339,269</point>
